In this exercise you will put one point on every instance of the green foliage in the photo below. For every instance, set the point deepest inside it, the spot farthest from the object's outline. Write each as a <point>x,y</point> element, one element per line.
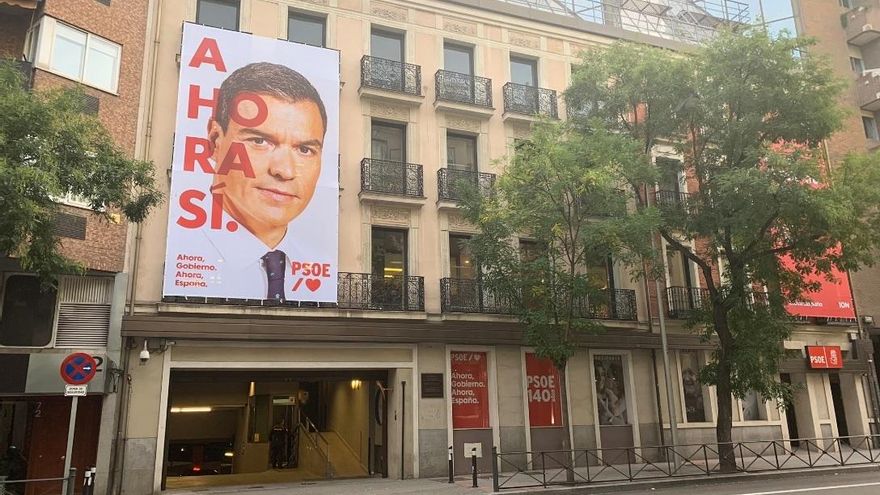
<point>747,115</point>
<point>49,148</point>
<point>561,194</point>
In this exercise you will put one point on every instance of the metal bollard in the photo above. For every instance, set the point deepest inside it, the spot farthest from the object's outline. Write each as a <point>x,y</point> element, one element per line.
<point>474,465</point>
<point>451,466</point>
<point>86,475</point>
<point>89,481</point>
<point>70,481</point>
<point>495,487</point>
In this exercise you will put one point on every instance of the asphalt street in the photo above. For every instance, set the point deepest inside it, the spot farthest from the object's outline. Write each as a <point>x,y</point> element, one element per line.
<point>862,483</point>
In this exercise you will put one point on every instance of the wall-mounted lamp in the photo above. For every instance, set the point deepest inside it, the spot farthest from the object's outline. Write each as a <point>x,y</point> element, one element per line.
<point>355,384</point>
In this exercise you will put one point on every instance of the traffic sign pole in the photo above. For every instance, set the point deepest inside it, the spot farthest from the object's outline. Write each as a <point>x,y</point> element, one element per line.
<point>71,427</point>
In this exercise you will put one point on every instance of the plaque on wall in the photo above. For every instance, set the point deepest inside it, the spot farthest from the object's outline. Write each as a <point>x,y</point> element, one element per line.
<point>432,385</point>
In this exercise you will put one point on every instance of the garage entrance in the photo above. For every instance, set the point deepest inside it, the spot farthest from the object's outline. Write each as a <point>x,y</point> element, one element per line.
<point>243,427</point>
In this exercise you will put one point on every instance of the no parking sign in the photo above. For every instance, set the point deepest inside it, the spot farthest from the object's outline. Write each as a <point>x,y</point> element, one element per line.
<point>78,368</point>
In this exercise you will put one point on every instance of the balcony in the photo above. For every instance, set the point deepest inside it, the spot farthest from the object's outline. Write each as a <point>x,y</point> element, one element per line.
<point>389,79</point>
<point>528,102</point>
<point>862,25</point>
<point>452,183</point>
<point>683,301</point>
<point>370,292</point>
<point>469,296</point>
<point>463,93</point>
<point>868,86</point>
<point>388,181</point>
<point>671,199</point>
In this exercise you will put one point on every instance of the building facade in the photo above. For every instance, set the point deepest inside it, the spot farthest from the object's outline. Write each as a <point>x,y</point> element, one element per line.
<point>415,357</point>
<point>98,46</point>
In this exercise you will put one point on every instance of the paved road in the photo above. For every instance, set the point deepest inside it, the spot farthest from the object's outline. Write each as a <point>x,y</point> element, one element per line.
<point>862,483</point>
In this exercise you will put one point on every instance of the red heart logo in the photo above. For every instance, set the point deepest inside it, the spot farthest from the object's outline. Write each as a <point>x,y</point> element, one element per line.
<point>313,284</point>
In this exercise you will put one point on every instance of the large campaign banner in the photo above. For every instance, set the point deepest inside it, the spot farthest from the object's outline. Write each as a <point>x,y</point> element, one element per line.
<point>253,209</point>
<point>470,390</point>
<point>832,300</point>
<point>544,392</point>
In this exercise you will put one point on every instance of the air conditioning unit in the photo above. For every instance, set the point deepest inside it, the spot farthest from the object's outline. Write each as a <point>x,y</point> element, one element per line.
<point>867,27</point>
<point>871,73</point>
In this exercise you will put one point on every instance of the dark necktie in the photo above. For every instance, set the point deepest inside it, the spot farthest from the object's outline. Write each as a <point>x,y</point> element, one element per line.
<point>274,262</point>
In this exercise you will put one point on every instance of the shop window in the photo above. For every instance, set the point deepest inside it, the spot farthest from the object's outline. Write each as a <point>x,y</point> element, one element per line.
<point>753,407</point>
<point>695,394</point>
<point>218,13</point>
<point>28,313</point>
<point>306,28</point>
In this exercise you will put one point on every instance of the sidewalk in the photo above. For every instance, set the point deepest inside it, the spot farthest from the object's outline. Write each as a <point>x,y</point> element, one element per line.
<point>367,486</point>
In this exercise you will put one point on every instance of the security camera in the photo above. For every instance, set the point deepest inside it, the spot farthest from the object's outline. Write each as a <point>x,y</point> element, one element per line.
<point>145,353</point>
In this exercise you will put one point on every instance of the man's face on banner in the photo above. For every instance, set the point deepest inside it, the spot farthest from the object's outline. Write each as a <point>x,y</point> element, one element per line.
<point>285,154</point>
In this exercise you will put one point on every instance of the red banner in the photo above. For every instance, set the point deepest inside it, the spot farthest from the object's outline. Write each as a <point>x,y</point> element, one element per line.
<point>825,356</point>
<point>543,388</point>
<point>470,390</point>
<point>833,300</point>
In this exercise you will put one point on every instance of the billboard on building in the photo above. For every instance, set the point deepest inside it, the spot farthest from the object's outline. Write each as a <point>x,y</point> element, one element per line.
<point>832,300</point>
<point>543,386</point>
<point>470,390</point>
<point>253,208</point>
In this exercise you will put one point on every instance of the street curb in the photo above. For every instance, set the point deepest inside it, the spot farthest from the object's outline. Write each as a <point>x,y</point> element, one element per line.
<point>691,481</point>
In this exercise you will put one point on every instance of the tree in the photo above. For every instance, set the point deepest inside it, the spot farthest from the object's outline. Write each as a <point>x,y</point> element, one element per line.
<point>747,113</point>
<point>49,148</point>
<point>553,214</point>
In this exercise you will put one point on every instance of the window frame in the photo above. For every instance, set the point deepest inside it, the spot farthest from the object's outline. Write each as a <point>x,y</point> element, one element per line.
<point>237,17</point>
<point>53,327</point>
<point>463,135</point>
<point>461,48</point>
<point>389,34</point>
<point>308,16</point>
<point>873,122</point>
<point>525,60</point>
<point>402,127</point>
<point>853,61</point>
<point>404,232</point>
<point>709,401</point>
<point>44,36</point>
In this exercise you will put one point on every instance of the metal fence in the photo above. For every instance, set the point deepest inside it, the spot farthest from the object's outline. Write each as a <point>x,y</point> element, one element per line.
<point>452,183</point>
<point>518,470</point>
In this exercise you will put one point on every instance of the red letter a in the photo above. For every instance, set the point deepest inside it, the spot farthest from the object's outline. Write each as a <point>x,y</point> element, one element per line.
<point>236,159</point>
<point>208,53</point>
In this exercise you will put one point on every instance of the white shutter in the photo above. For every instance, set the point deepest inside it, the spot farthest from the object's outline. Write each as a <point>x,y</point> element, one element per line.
<point>84,311</point>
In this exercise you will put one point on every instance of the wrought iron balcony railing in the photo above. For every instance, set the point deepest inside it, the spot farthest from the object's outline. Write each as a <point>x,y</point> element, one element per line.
<point>461,295</point>
<point>391,75</point>
<point>463,88</point>
<point>452,183</point>
<point>683,301</point>
<point>529,100</point>
<point>387,177</point>
<point>671,199</point>
<point>470,296</point>
<point>371,292</point>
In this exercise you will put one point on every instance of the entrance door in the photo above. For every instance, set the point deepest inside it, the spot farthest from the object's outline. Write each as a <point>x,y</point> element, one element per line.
<point>614,416</point>
<point>790,417</point>
<point>839,411</point>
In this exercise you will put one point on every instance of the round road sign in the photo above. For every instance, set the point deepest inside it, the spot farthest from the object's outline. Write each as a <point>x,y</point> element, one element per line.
<point>78,368</point>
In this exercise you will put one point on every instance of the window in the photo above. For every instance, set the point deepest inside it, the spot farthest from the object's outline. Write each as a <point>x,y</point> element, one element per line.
<point>753,407</point>
<point>307,29</point>
<point>389,253</point>
<point>387,45</point>
<point>870,128</point>
<point>218,13</point>
<point>461,152</point>
<point>388,142</point>
<point>847,4</point>
<point>601,274</point>
<point>523,71</point>
<point>28,313</point>
<point>696,395</point>
<point>858,66</point>
<point>458,58</point>
<point>81,56</point>
<point>461,263</point>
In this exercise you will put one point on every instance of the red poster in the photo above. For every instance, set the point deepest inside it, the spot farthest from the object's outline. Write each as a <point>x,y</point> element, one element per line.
<point>543,388</point>
<point>470,390</point>
<point>833,300</point>
<point>825,356</point>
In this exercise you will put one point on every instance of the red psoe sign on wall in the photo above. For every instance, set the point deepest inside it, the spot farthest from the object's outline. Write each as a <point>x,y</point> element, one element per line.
<point>825,356</point>
<point>544,391</point>
<point>470,390</point>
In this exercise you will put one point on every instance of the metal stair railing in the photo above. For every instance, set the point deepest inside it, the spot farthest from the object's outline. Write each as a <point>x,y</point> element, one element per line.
<point>307,428</point>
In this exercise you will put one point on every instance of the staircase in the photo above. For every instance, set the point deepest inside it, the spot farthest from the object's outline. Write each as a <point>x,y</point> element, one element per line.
<point>327,453</point>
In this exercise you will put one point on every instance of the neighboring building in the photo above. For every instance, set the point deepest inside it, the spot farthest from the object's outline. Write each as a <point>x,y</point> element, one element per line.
<point>100,46</point>
<point>414,356</point>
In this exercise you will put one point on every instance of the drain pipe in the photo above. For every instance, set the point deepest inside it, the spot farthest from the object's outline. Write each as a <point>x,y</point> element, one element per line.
<point>402,426</point>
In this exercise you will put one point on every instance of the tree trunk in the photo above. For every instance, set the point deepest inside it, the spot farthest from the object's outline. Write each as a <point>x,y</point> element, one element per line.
<point>724,425</point>
<point>566,424</point>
